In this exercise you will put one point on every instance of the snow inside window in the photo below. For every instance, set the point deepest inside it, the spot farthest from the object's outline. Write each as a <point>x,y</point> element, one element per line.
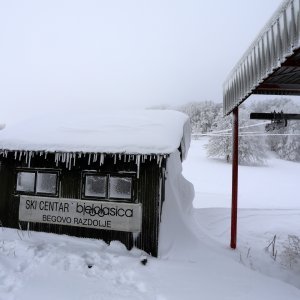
<point>120,187</point>
<point>25,181</point>
<point>95,186</point>
<point>46,183</point>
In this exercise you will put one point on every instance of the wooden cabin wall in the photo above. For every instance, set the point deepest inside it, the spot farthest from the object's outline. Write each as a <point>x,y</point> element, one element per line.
<point>148,189</point>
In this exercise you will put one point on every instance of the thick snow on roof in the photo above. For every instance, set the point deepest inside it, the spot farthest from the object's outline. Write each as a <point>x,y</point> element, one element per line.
<point>133,132</point>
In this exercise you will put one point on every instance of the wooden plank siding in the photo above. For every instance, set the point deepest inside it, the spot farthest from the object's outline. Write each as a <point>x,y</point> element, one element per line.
<point>148,189</point>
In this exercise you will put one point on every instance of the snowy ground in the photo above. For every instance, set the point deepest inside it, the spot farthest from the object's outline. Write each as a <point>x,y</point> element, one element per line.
<point>46,266</point>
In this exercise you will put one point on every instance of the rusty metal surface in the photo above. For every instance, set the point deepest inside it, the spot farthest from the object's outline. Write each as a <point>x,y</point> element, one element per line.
<point>235,169</point>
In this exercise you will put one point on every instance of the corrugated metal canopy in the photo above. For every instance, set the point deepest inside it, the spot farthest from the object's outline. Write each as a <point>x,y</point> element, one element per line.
<point>271,65</point>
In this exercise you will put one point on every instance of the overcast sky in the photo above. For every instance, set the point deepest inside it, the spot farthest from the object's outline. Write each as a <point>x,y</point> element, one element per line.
<point>90,54</point>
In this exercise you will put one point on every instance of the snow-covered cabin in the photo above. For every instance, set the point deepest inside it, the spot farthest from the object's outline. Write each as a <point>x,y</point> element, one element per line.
<point>99,175</point>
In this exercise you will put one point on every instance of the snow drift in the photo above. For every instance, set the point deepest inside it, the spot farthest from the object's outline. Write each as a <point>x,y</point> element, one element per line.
<point>176,228</point>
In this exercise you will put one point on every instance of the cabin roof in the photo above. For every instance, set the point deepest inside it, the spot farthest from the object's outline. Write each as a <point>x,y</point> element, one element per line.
<point>130,132</point>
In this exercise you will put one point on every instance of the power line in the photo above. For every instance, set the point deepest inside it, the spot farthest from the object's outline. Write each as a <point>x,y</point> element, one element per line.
<point>230,129</point>
<point>244,134</point>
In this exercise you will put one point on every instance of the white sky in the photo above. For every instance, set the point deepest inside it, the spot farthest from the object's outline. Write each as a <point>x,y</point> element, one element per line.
<point>91,54</point>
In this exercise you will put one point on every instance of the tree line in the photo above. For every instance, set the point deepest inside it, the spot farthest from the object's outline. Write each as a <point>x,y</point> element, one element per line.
<point>207,118</point>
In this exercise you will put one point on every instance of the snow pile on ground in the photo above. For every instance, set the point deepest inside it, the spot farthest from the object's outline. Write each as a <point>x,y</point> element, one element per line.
<point>40,265</point>
<point>140,131</point>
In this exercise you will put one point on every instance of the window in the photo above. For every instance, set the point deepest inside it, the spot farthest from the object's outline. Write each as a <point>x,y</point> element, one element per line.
<point>46,183</point>
<point>37,182</point>
<point>25,181</point>
<point>120,187</point>
<point>95,186</point>
<point>110,187</point>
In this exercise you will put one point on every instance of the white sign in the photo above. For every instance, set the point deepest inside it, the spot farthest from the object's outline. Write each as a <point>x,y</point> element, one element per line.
<point>82,213</point>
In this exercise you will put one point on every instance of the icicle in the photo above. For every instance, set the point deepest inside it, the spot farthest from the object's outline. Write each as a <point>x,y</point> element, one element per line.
<point>89,161</point>
<point>135,235</point>
<point>74,157</point>
<point>20,155</point>
<point>160,160</point>
<point>29,158</point>
<point>56,158</point>
<point>70,161</point>
<point>137,161</point>
<point>115,158</point>
<point>101,159</point>
<point>95,157</point>
<point>67,160</point>
<point>46,153</point>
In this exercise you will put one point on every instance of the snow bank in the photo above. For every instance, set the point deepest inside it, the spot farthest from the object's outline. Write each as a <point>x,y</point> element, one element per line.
<point>176,228</point>
<point>132,132</point>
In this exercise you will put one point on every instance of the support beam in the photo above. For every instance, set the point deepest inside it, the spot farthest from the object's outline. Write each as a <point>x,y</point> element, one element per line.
<point>281,88</point>
<point>235,159</point>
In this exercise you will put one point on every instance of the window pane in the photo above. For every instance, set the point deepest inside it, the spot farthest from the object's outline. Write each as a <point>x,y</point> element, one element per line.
<point>120,187</point>
<point>95,186</point>
<point>46,183</point>
<point>25,181</point>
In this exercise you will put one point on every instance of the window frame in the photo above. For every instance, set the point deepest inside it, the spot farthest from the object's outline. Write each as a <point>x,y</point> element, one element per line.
<point>107,197</point>
<point>36,171</point>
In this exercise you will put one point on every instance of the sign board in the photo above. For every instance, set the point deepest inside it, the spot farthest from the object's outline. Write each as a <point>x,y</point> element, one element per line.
<point>81,213</point>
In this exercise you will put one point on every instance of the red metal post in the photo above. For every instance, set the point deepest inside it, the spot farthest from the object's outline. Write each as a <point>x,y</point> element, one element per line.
<point>235,159</point>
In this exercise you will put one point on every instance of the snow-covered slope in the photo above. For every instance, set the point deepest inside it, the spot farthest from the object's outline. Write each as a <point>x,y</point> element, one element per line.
<point>272,186</point>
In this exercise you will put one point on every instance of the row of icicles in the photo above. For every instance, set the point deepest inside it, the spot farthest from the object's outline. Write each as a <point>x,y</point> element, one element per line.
<point>69,158</point>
